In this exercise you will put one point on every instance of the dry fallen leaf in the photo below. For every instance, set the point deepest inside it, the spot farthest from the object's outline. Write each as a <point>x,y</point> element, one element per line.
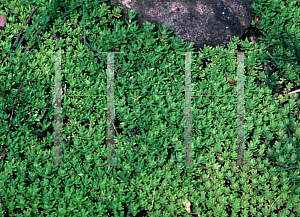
<point>230,80</point>
<point>256,19</point>
<point>101,197</point>
<point>2,21</point>
<point>253,39</point>
<point>187,205</point>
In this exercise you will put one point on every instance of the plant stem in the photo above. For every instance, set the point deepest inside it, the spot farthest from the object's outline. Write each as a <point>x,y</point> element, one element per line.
<point>21,31</point>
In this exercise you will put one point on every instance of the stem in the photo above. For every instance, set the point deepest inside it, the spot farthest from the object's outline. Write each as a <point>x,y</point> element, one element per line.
<point>21,31</point>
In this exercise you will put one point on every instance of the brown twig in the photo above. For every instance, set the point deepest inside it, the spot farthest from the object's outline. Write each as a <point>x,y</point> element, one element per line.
<point>21,31</point>
<point>272,162</point>
<point>101,197</point>
<point>108,118</point>
<point>116,129</point>
<point>92,190</point>
<point>53,36</point>
<point>295,91</point>
<point>260,169</point>
<point>153,196</point>
<point>112,124</point>
<point>12,112</point>
<point>3,154</point>
<point>269,161</point>
<point>16,100</point>
<point>125,133</point>
<point>134,132</point>
<point>236,167</point>
<point>275,200</point>
<point>14,11</point>
<point>104,61</point>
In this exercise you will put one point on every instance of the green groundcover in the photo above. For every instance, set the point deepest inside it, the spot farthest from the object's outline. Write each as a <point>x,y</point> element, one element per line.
<point>101,117</point>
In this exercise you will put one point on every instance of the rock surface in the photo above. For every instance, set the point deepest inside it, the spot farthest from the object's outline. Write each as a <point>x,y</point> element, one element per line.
<point>210,23</point>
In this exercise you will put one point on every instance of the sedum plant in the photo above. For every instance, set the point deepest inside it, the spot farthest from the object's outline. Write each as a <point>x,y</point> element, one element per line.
<point>149,181</point>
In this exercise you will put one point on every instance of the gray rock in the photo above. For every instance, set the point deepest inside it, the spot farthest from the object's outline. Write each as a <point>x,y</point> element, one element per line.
<point>204,22</point>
